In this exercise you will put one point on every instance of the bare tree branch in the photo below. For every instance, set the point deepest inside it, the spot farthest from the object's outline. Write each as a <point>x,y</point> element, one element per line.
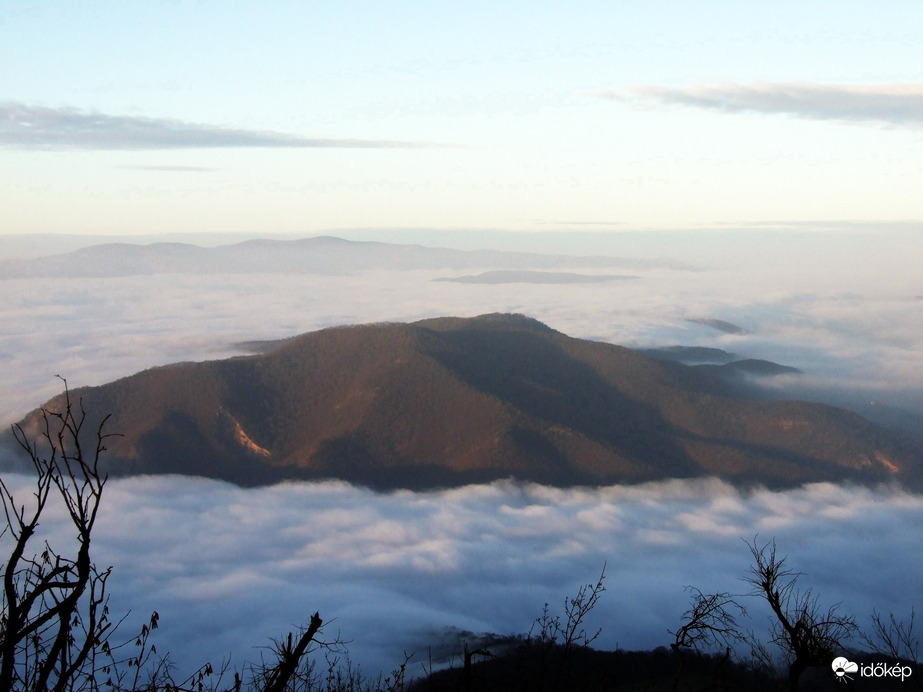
<point>807,634</point>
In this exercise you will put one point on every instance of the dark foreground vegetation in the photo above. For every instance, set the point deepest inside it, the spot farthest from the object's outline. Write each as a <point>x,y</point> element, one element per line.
<point>56,631</point>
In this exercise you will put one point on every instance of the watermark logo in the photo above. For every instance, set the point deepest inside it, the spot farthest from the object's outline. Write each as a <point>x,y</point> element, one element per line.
<point>843,668</point>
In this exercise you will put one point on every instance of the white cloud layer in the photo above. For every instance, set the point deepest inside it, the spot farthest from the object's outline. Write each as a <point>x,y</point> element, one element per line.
<point>895,104</point>
<point>34,127</point>
<point>227,568</point>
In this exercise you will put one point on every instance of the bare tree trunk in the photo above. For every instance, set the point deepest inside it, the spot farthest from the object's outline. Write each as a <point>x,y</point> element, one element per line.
<point>290,656</point>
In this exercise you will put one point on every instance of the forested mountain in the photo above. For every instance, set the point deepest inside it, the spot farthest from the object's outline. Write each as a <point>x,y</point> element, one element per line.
<point>450,401</point>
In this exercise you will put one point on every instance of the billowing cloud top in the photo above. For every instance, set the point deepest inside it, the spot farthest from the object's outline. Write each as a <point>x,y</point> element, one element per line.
<point>227,568</point>
<point>897,104</point>
<point>31,127</point>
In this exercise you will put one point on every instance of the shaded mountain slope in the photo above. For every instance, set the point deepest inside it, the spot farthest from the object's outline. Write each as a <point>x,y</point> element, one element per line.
<point>449,401</point>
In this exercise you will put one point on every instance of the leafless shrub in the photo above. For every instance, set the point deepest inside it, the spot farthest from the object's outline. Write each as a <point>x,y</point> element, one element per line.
<point>710,622</point>
<point>55,623</point>
<point>554,638</point>
<point>806,634</point>
<point>56,633</point>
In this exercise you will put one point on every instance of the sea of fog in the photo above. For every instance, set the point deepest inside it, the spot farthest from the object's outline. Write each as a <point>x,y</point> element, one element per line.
<point>227,568</point>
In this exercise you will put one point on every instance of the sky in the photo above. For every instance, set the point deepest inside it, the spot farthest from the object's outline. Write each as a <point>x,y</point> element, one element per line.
<point>303,117</point>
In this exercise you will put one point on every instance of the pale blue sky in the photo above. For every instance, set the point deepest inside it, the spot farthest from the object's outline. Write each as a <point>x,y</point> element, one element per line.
<point>303,117</point>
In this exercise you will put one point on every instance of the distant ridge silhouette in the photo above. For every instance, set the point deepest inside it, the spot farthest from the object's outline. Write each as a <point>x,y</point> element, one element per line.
<point>318,255</point>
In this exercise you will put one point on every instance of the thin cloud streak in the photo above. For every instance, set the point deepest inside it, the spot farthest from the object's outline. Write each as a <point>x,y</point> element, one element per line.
<point>894,104</point>
<point>169,169</point>
<point>34,127</point>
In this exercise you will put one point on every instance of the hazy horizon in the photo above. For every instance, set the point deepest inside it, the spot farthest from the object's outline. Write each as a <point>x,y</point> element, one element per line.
<point>842,306</point>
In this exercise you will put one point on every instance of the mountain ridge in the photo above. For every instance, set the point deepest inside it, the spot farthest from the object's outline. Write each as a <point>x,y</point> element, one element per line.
<point>318,255</point>
<point>449,401</point>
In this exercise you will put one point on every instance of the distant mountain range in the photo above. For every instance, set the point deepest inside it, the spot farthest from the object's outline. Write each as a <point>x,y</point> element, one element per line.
<point>449,401</point>
<point>324,254</point>
<point>720,362</point>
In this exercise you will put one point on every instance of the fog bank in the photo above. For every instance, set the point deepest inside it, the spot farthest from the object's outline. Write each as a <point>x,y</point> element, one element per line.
<point>227,568</point>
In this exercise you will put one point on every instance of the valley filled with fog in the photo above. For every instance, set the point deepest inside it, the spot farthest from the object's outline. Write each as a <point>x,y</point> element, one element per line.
<point>228,568</point>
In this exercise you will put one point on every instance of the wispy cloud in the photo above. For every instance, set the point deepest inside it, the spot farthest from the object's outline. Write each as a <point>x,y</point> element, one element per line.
<point>169,169</point>
<point>895,104</point>
<point>32,127</point>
